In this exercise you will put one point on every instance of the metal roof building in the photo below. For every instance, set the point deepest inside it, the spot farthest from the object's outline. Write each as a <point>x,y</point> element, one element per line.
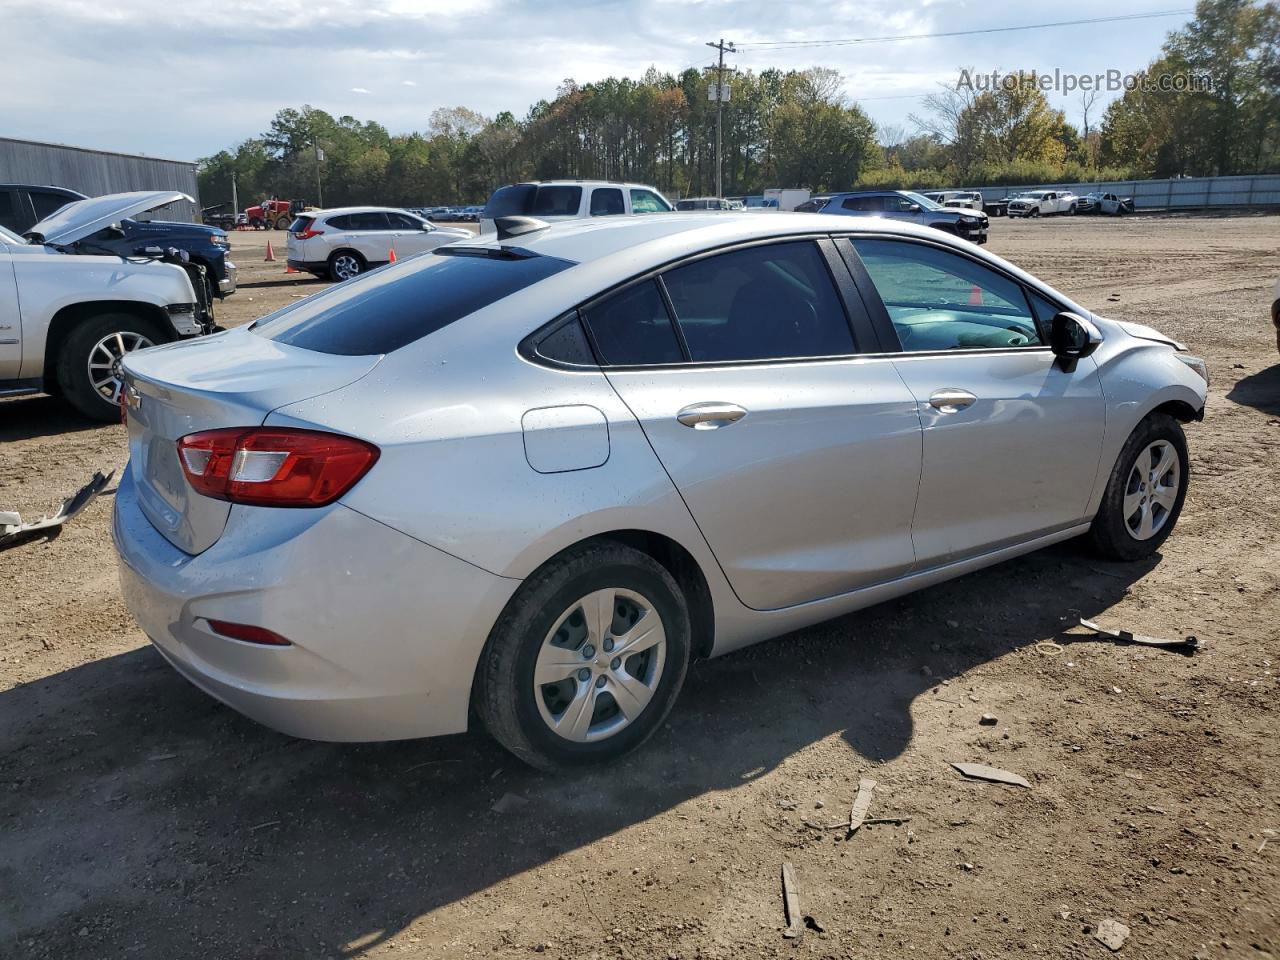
<point>95,172</point>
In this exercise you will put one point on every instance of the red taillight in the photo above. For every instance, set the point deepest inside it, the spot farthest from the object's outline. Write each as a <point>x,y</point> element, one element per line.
<point>308,231</point>
<point>248,633</point>
<point>274,467</point>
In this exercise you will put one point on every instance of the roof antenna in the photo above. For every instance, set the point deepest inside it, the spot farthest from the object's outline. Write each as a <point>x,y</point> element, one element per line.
<point>509,227</point>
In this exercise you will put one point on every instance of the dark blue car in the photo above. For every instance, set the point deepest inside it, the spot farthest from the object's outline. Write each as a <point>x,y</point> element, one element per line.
<point>22,206</point>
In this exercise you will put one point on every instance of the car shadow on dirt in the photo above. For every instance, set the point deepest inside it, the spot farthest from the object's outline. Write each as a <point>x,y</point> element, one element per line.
<point>26,418</point>
<point>146,816</point>
<point>1259,390</point>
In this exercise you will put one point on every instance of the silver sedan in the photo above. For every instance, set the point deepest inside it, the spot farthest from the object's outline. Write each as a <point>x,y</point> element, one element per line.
<point>529,477</point>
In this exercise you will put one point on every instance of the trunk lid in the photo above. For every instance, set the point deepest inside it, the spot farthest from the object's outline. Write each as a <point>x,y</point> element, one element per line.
<point>234,379</point>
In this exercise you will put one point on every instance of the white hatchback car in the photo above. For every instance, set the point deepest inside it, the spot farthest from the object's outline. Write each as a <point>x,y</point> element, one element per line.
<point>527,478</point>
<point>344,242</point>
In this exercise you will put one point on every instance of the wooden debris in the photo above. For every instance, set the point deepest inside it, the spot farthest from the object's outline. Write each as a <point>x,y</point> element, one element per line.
<point>1111,934</point>
<point>978,771</point>
<point>791,903</point>
<point>861,804</point>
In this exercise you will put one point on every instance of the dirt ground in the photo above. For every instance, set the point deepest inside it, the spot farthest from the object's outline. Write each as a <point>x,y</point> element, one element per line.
<point>140,818</point>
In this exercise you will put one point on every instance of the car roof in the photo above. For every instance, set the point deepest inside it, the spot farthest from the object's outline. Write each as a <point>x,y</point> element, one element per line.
<point>647,241</point>
<point>338,210</point>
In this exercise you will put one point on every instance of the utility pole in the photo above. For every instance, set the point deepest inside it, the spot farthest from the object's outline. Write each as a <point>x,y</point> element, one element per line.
<point>723,48</point>
<point>319,160</point>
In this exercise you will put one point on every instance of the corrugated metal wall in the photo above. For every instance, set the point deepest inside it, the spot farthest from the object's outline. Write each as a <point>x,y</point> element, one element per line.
<point>95,172</point>
<point>1188,193</point>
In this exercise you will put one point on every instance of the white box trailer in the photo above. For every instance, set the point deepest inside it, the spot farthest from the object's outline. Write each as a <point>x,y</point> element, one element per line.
<point>788,199</point>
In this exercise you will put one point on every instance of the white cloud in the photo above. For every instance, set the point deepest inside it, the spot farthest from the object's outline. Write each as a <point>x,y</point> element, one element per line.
<point>229,67</point>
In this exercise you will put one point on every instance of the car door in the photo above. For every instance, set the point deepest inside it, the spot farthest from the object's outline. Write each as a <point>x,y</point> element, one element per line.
<point>10,318</point>
<point>900,208</point>
<point>409,235</point>
<point>797,458</point>
<point>1011,441</point>
<point>371,235</point>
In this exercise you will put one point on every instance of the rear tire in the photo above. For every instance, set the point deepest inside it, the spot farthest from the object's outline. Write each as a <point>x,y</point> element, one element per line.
<point>87,368</point>
<point>346,265</point>
<point>1138,512</point>
<point>548,629</point>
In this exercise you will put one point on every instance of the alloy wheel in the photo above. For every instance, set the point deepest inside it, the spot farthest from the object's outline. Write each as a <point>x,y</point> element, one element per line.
<point>104,361</point>
<point>346,266</point>
<point>1151,490</point>
<point>599,665</point>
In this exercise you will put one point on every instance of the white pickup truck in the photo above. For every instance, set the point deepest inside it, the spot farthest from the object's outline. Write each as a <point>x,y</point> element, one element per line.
<point>1043,203</point>
<point>69,314</point>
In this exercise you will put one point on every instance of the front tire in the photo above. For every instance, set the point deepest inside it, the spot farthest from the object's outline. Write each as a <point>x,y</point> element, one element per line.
<point>587,659</point>
<point>88,365</point>
<point>1034,213</point>
<point>1145,492</point>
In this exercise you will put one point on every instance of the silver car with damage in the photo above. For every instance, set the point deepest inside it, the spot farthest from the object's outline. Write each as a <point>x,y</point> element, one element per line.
<point>530,477</point>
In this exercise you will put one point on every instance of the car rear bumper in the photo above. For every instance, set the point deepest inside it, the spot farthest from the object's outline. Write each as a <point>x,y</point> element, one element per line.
<point>386,631</point>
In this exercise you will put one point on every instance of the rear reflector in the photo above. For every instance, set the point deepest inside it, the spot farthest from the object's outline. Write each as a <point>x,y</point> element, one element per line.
<point>274,467</point>
<point>248,633</point>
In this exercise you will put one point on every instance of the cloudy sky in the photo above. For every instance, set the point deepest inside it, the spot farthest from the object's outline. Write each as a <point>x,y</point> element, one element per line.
<point>183,80</point>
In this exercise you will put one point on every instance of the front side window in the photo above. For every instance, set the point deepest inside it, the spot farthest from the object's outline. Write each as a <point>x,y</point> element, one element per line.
<point>940,300</point>
<point>768,302</point>
<point>402,221</point>
<point>633,328</point>
<point>47,204</point>
<point>607,202</point>
<point>646,201</point>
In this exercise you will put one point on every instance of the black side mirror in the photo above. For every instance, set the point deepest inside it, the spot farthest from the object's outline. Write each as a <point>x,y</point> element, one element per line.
<point>1071,337</point>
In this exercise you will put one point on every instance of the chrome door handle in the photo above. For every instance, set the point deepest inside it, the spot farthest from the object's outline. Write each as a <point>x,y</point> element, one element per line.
<point>951,400</point>
<point>711,415</point>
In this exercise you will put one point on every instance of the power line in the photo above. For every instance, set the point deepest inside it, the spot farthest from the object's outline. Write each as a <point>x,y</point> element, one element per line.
<point>781,44</point>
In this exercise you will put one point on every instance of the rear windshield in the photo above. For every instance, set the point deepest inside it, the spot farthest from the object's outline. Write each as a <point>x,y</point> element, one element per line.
<point>533,200</point>
<point>301,224</point>
<point>392,306</point>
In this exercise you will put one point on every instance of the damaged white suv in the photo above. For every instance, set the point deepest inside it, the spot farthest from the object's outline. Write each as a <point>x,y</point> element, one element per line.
<point>66,321</point>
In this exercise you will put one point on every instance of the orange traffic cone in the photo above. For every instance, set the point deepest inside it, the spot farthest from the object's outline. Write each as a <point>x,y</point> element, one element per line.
<point>288,268</point>
<point>975,296</point>
<point>271,254</point>
<point>391,258</point>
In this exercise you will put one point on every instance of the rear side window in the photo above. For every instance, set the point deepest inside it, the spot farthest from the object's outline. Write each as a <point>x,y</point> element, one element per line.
<point>767,302</point>
<point>388,308</point>
<point>863,203</point>
<point>343,222</point>
<point>633,327</point>
<point>556,202</point>
<point>607,202</point>
<point>369,221</point>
